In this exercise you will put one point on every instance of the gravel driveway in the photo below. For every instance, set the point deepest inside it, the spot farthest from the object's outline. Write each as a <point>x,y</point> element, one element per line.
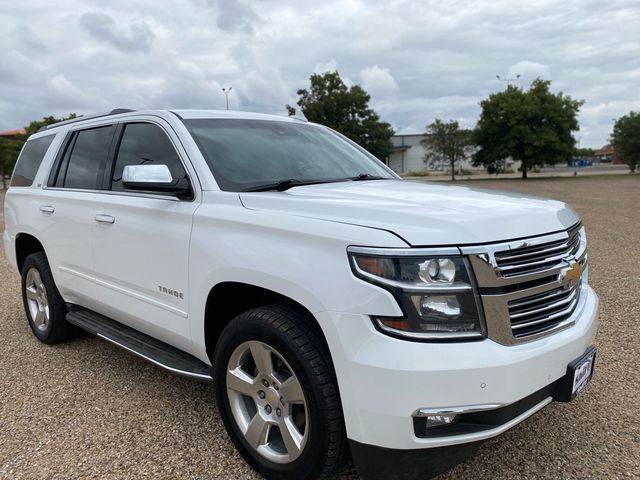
<point>86,409</point>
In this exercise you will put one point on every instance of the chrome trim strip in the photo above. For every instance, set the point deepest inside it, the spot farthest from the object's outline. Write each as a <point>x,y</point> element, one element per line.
<point>124,291</point>
<point>506,258</point>
<point>428,336</point>
<point>182,373</point>
<point>122,193</point>
<point>474,437</point>
<point>547,318</point>
<point>512,245</point>
<point>449,411</point>
<point>547,307</point>
<point>405,252</point>
<point>542,261</point>
<point>520,303</point>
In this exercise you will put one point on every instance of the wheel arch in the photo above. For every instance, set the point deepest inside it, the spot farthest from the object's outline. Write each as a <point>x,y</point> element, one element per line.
<point>25,245</point>
<point>228,299</point>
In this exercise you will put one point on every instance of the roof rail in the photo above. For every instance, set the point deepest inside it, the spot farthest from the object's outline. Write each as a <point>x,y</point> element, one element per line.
<point>115,111</point>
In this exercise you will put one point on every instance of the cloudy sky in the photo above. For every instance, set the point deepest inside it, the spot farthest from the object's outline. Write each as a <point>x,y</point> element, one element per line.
<point>418,59</point>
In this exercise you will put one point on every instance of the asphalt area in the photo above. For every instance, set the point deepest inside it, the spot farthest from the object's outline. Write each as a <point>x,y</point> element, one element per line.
<point>86,409</point>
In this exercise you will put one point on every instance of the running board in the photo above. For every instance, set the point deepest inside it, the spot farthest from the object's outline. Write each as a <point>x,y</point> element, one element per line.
<point>159,353</point>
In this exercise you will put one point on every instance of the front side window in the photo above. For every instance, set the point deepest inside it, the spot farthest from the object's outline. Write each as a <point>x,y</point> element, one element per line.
<point>89,153</point>
<point>245,154</point>
<point>145,143</point>
<point>29,161</point>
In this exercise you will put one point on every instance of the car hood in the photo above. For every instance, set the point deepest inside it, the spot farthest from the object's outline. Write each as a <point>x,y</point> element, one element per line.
<point>422,213</point>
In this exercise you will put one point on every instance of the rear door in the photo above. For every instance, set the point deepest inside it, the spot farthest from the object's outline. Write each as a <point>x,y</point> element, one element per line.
<point>67,207</point>
<point>23,200</point>
<point>141,243</point>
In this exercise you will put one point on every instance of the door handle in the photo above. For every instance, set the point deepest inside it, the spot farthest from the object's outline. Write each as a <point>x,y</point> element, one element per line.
<point>47,208</point>
<point>104,218</point>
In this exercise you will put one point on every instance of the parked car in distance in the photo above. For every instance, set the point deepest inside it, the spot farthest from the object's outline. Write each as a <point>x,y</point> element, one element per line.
<point>337,309</point>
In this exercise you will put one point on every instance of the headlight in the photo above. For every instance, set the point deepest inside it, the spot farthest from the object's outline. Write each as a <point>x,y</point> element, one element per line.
<point>435,291</point>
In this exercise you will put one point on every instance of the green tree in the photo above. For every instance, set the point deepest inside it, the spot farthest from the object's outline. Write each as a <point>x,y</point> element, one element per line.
<point>9,151</point>
<point>626,139</point>
<point>345,109</point>
<point>447,141</point>
<point>36,125</point>
<point>10,147</point>
<point>584,152</point>
<point>533,126</point>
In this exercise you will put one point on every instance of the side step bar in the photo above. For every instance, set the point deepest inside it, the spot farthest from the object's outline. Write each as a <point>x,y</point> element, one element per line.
<point>159,353</point>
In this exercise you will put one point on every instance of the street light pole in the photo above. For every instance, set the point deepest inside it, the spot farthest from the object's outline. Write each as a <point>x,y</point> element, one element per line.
<point>226,92</point>
<point>508,79</point>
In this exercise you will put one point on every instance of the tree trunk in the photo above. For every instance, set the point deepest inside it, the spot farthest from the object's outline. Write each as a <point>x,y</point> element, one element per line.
<point>453,171</point>
<point>524,171</point>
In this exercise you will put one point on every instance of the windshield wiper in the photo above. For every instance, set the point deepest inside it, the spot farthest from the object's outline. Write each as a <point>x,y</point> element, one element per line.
<point>288,183</point>
<point>283,185</point>
<point>367,176</point>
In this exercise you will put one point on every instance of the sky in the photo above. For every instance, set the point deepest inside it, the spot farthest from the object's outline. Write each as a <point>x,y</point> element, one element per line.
<point>419,60</point>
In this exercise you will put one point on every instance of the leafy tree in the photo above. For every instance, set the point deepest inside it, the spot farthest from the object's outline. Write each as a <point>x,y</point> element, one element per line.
<point>36,125</point>
<point>9,151</point>
<point>533,126</point>
<point>584,152</point>
<point>626,139</point>
<point>330,102</point>
<point>10,147</point>
<point>447,141</point>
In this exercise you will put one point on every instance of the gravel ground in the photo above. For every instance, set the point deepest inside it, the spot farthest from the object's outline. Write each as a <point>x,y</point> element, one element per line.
<point>86,409</point>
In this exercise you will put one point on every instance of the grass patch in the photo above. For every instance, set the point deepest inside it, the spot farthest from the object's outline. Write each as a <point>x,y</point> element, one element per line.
<point>595,176</point>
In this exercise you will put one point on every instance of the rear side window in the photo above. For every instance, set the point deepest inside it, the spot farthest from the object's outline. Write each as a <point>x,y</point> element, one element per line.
<point>29,161</point>
<point>83,165</point>
<point>144,143</point>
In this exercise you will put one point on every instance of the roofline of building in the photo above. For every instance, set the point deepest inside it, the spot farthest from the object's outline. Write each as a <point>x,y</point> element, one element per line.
<point>409,134</point>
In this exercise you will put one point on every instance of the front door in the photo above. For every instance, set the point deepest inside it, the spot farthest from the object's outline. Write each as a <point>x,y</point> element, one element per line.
<point>141,241</point>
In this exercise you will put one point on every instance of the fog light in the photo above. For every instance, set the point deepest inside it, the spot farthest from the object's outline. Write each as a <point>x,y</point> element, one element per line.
<point>434,421</point>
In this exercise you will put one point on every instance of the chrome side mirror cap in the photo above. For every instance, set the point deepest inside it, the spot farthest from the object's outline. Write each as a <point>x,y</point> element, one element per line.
<point>149,173</point>
<point>156,178</point>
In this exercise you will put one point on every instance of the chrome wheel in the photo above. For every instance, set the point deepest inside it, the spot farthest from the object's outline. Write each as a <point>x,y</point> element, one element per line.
<point>267,402</point>
<point>37,299</point>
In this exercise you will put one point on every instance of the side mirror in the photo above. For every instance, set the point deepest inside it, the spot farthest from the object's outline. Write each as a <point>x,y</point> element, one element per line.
<point>154,178</point>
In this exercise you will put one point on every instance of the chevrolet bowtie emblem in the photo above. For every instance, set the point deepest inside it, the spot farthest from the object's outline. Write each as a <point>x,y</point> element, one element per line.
<point>571,274</point>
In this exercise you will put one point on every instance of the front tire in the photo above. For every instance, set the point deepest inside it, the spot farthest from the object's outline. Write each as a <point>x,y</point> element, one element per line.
<point>278,396</point>
<point>43,305</point>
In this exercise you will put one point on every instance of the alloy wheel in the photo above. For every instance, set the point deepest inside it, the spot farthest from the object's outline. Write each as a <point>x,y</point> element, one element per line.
<point>267,402</point>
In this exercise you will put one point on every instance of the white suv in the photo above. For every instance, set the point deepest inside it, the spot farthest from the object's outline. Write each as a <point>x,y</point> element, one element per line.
<point>338,308</point>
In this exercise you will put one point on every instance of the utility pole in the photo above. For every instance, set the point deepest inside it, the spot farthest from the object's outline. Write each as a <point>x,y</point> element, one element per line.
<point>226,92</point>
<point>508,79</point>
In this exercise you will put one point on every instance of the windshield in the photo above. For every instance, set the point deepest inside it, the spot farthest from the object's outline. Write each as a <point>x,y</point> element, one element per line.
<point>247,154</point>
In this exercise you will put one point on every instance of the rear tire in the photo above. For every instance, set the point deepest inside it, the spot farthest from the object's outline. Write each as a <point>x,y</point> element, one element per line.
<point>272,355</point>
<point>43,305</point>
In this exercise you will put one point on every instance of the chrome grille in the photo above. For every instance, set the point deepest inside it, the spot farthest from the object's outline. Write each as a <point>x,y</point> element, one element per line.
<point>537,313</point>
<point>530,288</point>
<point>531,259</point>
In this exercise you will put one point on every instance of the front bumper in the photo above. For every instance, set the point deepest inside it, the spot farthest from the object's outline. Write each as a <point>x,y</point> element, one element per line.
<point>383,381</point>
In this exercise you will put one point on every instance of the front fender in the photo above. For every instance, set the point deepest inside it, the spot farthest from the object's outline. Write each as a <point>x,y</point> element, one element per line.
<point>300,258</point>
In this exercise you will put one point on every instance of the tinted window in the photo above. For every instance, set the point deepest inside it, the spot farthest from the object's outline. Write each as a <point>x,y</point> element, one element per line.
<point>145,143</point>
<point>29,161</point>
<point>89,152</point>
<point>243,154</point>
